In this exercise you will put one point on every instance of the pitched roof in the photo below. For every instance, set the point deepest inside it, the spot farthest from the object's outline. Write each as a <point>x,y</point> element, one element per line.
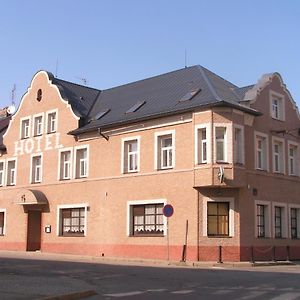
<point>150,98</point>
<point>4,122</point>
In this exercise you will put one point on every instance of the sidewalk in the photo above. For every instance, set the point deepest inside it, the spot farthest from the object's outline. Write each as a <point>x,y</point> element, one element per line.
<point>134,261</point>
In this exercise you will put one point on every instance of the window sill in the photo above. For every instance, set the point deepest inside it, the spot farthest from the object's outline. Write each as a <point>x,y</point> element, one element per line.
<point>147,235</point>
<point>220,236</point>
<point>72,235</point>
<point>165,169</point>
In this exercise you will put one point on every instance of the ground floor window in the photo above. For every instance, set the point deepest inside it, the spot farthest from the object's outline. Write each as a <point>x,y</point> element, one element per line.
<point>218,218</point>
<point>1,223</point>
<point>261,220</point>
<point>147,220</point>
<point>295,223</point>
<point>72,221</point>
<point>278,222</point>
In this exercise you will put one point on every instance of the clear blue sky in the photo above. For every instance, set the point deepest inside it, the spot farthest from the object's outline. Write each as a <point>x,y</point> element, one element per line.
<point>114,42</point>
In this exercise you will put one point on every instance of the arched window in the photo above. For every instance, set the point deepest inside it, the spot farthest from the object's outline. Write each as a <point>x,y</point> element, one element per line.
<point>39,95</point>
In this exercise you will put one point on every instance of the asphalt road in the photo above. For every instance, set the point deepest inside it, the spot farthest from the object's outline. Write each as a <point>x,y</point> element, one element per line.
<point>38,279</point>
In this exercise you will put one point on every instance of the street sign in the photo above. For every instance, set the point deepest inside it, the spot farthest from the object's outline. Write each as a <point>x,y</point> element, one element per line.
<point>168,210</point>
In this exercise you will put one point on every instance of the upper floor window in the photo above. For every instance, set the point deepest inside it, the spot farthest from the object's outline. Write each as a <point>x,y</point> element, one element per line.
<point>277,106</point>
<point>81,162</point>
<point>38,125</point>
<point>220,135</point>
<point>36,169</point>
<point>51,122</point>
<point>261,151</point>
<point>130,155</point>
<point>165,150</point>
<point>278,156</point>
<point>1,173</point>
<point>202,148</point>
<point>238,145</point>
<point>11,172</point>
<point>65,164</point>
<point>25,128</point>
<point>293,159</point>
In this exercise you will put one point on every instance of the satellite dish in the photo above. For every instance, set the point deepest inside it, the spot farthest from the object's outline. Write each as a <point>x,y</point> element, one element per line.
<point>11,109</point>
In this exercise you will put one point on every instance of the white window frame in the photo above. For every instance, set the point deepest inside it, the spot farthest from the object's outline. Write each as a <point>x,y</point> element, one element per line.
<point>207,127</point>
<point>296,206</point>
<point>266,159</point>
<point>4,221</point>
<point>6,170</point>
<point>87,161</point>
<point>2,176</point>
<point>138,153</point>
<point>157,135</point>
<point>34,117</point>
<point>33,180</point>
<point>70,206</point>
<point>281,156</point>
<point>241,149</point>
<point>281,105</point>
<point>21,128</point>
<point>70,149</point>
<point>228,145</point>
<point>230,200</point>
<point>284,219</point>
<point>142,202</point>
<point>47,118</point>
<point>296,158</point>
<point>268,216</point>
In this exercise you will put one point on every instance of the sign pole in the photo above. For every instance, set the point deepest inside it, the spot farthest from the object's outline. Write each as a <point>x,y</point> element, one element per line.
<point>168,211</point>
<point>168,242</point>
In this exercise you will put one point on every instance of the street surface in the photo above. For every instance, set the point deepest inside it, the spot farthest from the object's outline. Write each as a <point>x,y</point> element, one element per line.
<point>37,279</point>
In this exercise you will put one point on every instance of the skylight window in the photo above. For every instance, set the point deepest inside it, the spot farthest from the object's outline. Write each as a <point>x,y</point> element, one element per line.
<point>101,114</point>
<point>188,96</point>
<point>135,107</point>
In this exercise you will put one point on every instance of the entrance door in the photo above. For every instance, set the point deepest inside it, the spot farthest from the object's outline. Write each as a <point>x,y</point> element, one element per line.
<point>34,230</point>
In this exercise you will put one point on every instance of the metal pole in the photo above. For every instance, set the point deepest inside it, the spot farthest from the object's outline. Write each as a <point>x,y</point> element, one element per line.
<point>274,257</point>
<point>287,253</point>
<point>168,242</point>
<point>220,255</point>
<point>252,255</point>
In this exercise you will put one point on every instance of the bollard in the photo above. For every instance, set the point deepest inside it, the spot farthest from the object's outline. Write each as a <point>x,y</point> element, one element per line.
<point>220,255</point>
<point>287,253</point>
<point>252,255</point>
<point>274,253</point>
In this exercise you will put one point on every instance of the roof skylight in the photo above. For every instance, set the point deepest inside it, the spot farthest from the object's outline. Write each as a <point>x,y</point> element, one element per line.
<point>189,95</point>
<point>101,114</point>
<point>135,107</point>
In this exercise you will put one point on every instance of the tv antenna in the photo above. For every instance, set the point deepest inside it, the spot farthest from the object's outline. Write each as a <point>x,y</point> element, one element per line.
<point>185,58</point>
<point>56,67</point>
<point>83,80</point>
<point>13,95</point>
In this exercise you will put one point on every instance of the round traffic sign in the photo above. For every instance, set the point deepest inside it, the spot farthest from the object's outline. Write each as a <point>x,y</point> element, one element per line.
<point>168,210</point>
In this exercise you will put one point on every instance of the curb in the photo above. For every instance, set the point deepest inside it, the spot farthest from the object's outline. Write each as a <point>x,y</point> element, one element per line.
<point>71,296</point>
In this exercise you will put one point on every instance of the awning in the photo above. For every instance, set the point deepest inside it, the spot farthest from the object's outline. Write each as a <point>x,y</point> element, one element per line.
<point>31,197</point>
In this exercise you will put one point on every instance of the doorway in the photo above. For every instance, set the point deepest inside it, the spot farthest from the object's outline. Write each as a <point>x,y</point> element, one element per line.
<point>34,230</point>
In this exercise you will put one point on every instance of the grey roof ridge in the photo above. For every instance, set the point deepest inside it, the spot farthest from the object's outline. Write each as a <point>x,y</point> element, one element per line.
<point>80,85</point>
<point>164,114</point>
<point>209,84</point>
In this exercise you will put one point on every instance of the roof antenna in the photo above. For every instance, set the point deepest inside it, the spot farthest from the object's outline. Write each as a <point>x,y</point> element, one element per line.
<point>56,67</point>
<point>13,95</point>
<point>83,80</point>
<point>185,58</point>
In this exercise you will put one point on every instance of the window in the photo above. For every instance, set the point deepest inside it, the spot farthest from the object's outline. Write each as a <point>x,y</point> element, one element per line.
<point>51,122</point>
<point>293,159</point>
<point>130,156</point>
<point>36,169</point>
<point>218,219</point>
<point>25,128</point>
<point>73,221</point>
<point>261,151</point>
<point>11,172</point>
<point>294,223</point>
<point>278,222</point>
<point>220,133</point>
<point>238,145</point>
<point>261,220</point>
<point>1,173</point>
<point>38,125</point>
<point>65,164</point>
<point>165,150</point>
<point>81,163</point>
<point>278,156</point>
<point>147,220</point>
<point>277,106</point>
<point>2,222</point>
<point>202,146</point>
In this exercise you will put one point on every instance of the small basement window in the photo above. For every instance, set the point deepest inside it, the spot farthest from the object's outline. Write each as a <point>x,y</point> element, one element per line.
<point>190,95</point>
<point>135,107</point>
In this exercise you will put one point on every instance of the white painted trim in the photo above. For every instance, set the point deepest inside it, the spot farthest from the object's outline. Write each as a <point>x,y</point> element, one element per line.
<point>227,142</point>
<point>16,168</point>
<point>31,181</point>
<point>4,221</point>
<point>262,135</point>
<point>280,97</point>
<point>143,202</point>
<point>297,206</point>
<point>47,113</point>
<point>284,220</point>
<point>206,126</point>
<point>21,126</point>
<point>87,147</point>
<point>231,213</point>
<point>128,139</point>
<point>3,172</point>
<point>282,161</point>
<point>297,158</point>
<point>156,136</point>
<point>268,217</point>
<point>58,217</point>
<point>71,162</point>
<point>241,127</point>
<point>33,124</point>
